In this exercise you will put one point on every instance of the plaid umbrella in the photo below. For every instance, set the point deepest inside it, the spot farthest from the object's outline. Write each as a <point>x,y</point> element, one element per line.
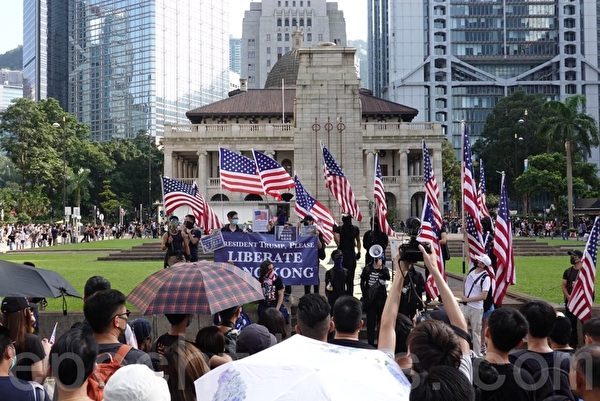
<point>199,288</point>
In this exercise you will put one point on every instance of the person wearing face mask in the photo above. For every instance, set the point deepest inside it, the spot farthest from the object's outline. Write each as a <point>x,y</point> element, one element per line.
<point>107,315</point>
<point>11,388</point>
<point>568,282</point>
<point>233,226</point>
<point>175,243</point>
<point>336,279</point>
<point>309,221</point>
<point>32,351</point>
<point>193,236</point>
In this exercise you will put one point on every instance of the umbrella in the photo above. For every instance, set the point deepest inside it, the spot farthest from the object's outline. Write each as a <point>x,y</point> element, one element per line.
<point>198,288</point>
<point>18,280</point>
<point>301,368</point>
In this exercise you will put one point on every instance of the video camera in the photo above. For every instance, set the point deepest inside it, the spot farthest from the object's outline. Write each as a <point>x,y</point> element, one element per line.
<point>410,252</point>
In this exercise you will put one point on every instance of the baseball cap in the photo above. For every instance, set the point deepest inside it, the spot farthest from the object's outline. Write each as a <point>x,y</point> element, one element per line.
<point>254,338</point>
<point>577,253</point>
<point>14,304</point>
<point>136,382</point>
<point>485,259</point>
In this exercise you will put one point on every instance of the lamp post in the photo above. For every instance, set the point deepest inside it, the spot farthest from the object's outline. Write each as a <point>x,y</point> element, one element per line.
<point>64,159</point>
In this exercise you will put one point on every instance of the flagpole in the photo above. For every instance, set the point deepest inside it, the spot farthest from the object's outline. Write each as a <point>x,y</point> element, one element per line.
<point>222,189</point>
<point>283,100</point>
<point>462,196</point>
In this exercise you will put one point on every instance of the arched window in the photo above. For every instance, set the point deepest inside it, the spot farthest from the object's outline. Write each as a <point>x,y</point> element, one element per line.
<point>253,198</point>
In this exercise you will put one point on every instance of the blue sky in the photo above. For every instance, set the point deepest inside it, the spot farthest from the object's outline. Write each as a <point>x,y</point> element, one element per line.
<point>11,20</point>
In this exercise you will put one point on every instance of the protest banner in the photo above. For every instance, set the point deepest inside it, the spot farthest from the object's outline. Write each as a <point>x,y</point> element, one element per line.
<point>296,262</point>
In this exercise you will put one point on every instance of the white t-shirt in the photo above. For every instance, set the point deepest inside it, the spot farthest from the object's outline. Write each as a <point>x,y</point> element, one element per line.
<point>478,286</point>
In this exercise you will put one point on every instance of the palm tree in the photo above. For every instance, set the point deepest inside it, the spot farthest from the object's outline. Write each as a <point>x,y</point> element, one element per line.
<point>569,125</point>
<point>79,183</point>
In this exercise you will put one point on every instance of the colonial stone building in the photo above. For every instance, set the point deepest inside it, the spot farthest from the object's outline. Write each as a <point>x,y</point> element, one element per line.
<point>312,96</point>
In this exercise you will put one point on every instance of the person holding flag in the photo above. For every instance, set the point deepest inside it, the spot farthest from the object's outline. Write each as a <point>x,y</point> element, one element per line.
<point>569,278</point>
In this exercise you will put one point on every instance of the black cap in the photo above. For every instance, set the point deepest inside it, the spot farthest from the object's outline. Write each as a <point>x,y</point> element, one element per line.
<point>14,304</point>
<point>579,254</point>
<point>308,218</point>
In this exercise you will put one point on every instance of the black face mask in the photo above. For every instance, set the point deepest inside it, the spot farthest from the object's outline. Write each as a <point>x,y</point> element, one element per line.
<point>189,225</point>
<point>572,260</point>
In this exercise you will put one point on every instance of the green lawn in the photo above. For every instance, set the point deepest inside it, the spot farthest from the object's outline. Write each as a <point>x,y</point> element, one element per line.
<point>539,276</point>
<point>124,243</point>
<point>78,266</point>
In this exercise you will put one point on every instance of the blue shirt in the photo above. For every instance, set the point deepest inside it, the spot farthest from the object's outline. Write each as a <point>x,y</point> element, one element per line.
<point>14,389</point>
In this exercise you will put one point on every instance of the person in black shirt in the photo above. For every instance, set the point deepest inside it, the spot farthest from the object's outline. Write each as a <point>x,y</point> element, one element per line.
<point>174,243</point>
<point>193,235</point>
<point>335,279</point>
<point>568,281</point>
<point>374,237</point>
<point>232,226</point>
<point>347,238</point>
<point>373,285</point>
<point>347,320</point>
<point>495,377</point>
<point>176,332</point>
<point>272,286</point>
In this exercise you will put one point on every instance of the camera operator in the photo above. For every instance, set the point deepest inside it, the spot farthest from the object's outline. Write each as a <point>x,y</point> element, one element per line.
<point>174,243</point>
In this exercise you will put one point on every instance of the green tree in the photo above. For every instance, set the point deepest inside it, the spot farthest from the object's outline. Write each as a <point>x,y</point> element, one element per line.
<point>79,184</point>
<point>500,145</point>
<point>567,124</point>
<point>108,200</point>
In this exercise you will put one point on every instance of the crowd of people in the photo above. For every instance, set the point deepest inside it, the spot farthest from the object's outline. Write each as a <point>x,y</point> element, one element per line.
<point>108,356</point>
<point>25,236</point>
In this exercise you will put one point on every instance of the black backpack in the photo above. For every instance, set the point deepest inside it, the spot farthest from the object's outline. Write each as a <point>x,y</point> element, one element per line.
<point>489,301</point>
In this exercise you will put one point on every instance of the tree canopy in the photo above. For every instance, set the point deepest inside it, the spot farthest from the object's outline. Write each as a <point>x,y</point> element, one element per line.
<point>48,151</point>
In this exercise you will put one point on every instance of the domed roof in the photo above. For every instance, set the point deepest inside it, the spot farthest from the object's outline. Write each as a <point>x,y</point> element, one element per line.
<point>285,68</point>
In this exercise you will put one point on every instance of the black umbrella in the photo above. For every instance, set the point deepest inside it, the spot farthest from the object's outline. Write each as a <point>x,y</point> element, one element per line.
<point>18,280</point>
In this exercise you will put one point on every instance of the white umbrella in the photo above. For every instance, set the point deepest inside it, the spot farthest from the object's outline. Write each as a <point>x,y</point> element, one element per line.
<point>304,369</point>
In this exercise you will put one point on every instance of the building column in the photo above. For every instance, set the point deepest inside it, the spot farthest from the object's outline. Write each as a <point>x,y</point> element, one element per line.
<point>437,170</point>
<point>370,173</point>
<point>168,163</point>
<point>404,201</point>
<point>179,167</point>
<point>202,171</point>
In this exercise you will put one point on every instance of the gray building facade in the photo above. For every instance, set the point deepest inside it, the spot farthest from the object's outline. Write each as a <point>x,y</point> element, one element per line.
<point>454,59</point>
<point>269,26</point>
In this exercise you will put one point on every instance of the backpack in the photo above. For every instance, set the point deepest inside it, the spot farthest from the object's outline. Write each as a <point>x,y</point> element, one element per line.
<point>103,371</point>
<point>489,301</point>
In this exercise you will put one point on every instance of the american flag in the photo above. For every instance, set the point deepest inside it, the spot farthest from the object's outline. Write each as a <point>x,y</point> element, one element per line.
<point>53,335</point>
<point>432,191</point>
<point>339,186</point>
<point>470,208</point>
<point>307,205</point>
<point>177,193</point>
<point>582,296</point>
<point>380,203</point>
<point>503,249</point>
<point>432,217</point>
<point>430,233</point>
<point>238,173</point>
<point>481,198</point>
<point>209,219</point>
<point>272,175</point>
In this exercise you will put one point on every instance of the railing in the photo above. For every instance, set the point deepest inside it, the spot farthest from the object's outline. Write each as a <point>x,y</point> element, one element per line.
<point>395,180</point>
<point>214,182</point>
<point>187,180</point>
<point>393,129</point>
<point>227,129</point>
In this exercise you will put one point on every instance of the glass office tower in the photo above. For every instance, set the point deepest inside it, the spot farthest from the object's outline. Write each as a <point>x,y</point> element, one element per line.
<point>135,66</point>
<point>35,60</point>
<point>454,59</point>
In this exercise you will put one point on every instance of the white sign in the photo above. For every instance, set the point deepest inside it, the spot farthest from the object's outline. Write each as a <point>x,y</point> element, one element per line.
<point>67,210</point>
<point>76,211</point>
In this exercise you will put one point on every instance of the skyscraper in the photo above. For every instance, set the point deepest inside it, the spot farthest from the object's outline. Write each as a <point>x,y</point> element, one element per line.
<point>269,25</point>
<point>135,66</point>
<point>35,59</point>
<point>454,60</point>
<point>126,67</point>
